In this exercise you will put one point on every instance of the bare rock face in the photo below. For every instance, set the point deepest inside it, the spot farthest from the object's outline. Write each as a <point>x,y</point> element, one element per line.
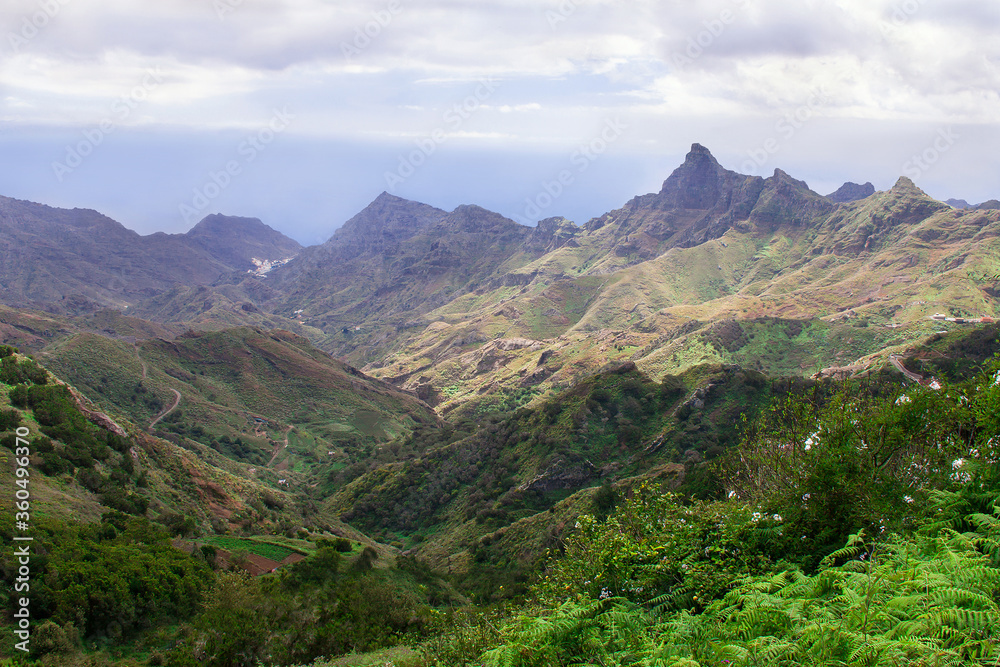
<point>786,200</point>
<point>849,192</point>
<point>702,183</point>
<point>561,475</point>
<point>552,233</point>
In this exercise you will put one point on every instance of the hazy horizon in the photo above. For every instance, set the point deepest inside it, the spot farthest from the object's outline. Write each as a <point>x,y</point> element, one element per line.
<point>300,112</point>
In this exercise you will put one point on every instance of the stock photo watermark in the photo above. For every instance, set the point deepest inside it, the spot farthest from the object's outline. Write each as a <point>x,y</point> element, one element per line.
<point>22,538</point>
<point>901,14</point>
<point>919,164</point>
<point>581,159</point>
<point>562,13</point>
<point>225,7</point>
<point>713,29</point>
<point>785,128</point>
<point>453,120</point>
<point>33,24</point>
<point>370,31</point>
<point>121,109</point>
<point>248,150</point>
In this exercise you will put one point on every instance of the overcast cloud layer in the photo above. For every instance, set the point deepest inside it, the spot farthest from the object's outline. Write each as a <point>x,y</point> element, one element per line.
<point>301,111</point>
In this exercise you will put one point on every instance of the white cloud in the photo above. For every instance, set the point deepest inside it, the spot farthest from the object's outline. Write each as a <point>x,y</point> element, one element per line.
<point>878,61</point>
<point>720,72</point>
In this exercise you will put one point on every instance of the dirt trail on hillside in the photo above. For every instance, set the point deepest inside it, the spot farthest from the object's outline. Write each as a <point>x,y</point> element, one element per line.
<point>278,447</point>
<point>137,356</point>
<point>177,400</point>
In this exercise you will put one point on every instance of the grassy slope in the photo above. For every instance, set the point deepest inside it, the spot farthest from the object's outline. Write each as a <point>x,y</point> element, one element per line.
<point>506,475</point>
<point>176,481</point>
<point>892,259</point>
<point>243,393</point>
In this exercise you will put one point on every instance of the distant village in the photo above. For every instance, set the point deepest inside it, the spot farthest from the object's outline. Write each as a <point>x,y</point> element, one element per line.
<point>963,320</point>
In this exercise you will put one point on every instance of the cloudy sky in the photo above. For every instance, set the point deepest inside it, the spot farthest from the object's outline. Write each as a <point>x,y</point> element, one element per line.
<point>300,112</point>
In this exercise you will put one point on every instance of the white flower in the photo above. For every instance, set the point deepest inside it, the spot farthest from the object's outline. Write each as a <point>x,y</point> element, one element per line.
<point>957,463</point>
<point>807,496</point>
<point>777,517</point>
<point>731,494</point>
<point>908,499</point>
<point>903,399</point>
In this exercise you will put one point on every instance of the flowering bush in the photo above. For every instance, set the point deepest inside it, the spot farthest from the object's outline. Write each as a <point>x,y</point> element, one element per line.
<point>656,550</point>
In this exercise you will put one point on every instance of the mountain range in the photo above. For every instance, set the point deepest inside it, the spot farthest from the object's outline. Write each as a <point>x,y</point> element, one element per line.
<point>446,392</point>
<point>469,305</point>
<point>79,259</point>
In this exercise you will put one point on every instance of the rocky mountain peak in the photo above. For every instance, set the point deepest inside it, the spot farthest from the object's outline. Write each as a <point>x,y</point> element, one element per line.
<point>699,182</point>
<point>781,176</point>
<point>387,217</point>
<point>905,186</point>
<point>228,227</point>
<point>849,192</point>
<point>241,242</point>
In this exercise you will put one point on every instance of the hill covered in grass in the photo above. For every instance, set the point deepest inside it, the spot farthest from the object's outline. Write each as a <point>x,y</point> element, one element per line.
<point>266,400</point>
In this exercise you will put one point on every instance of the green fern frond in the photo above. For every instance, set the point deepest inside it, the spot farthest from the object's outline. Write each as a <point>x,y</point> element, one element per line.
<point>855,545</point>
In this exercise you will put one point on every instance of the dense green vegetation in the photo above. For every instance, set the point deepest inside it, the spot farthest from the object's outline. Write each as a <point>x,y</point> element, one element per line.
<point>107,582</point>
<point>327,604</point>
<point>506,466</point>
<point>844,524</point>
<point>907,485</point>
<point>69,444</point>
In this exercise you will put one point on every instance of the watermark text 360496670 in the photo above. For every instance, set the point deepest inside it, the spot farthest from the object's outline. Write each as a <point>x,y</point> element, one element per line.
<point>22,540</point>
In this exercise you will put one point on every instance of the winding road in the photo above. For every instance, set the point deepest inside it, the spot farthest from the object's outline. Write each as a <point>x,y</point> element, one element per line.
<point>894,360</point>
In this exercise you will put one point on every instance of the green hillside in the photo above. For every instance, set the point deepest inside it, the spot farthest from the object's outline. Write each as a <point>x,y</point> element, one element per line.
<point>266,400</point>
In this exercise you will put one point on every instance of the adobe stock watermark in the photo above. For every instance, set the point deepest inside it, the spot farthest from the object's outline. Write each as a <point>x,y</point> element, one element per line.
<point>121,109</point>
<point>224,8</point>
<point>370,31</point>
<point>921,163</point>
<point>453,120</point>
<point>785,129</point>
<point>714,28</point>
<point>562,13</point>
<point>581,160</point>
<point>902,12</point>
<point>22,552</point>
<point>35,23</point>
<point>248,150</point>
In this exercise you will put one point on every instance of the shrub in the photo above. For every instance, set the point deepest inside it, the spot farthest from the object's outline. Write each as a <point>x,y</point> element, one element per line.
<point>9,419</point>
